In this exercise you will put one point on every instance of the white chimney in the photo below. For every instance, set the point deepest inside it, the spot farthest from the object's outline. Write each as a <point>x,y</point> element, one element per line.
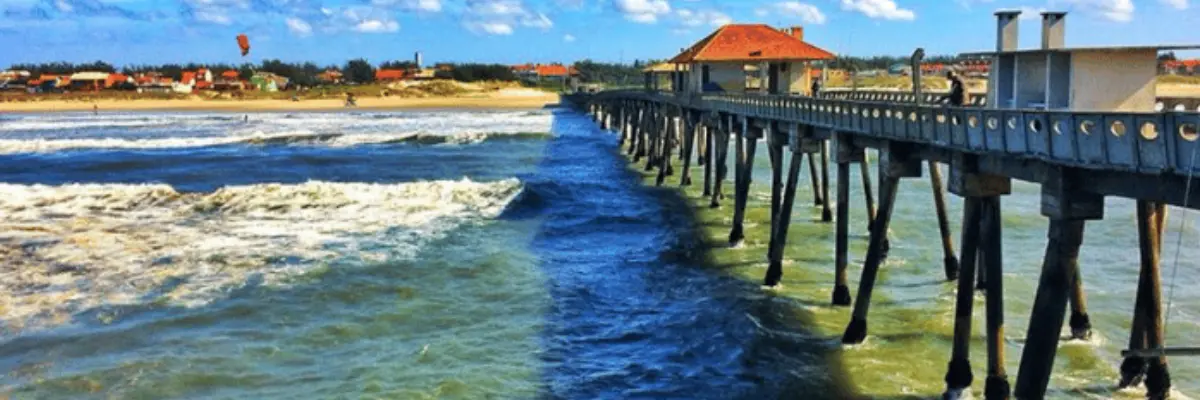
<point>1054,28</point>
<point>1006,30</point>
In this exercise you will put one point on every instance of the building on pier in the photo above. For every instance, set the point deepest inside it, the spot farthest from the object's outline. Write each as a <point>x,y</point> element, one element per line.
<point>779,60</point>
<point>1055,77</point>
<point>662,76</point>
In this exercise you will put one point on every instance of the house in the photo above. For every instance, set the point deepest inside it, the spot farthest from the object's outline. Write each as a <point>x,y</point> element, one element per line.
<point>119,81</point>
<point>931,69</point>
<point>193,78</point>
<point>93,81</point>
<point>390,75</point>
<point>1181,67</point>
<point>554,72</point>
<point>330,76</point>
<point>14,80</point>
<point>719,61</point>
<point>229,75</point>
<point>268,82</point>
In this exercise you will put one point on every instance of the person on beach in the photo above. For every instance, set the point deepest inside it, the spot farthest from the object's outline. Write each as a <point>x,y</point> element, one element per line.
<point>957,95</point>
<point>95,109</point>
<point>350,100</point>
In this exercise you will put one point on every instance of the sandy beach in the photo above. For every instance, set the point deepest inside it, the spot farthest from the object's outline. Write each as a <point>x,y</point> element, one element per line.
<point>504,99</point>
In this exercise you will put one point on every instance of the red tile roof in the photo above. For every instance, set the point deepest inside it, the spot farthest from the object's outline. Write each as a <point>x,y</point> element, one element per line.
<point>230,74</point>
<point>203,85</point>
<point>751,42</point>
<point>554,70</point>
<point>188,76</point>
<point>389,74</point>
<point>523,67</point>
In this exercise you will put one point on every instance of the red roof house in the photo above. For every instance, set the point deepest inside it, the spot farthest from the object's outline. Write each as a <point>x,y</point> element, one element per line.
<point>390,75</point>
<point>230,75</point>
<point>719,61</point>
<point>188,78</point>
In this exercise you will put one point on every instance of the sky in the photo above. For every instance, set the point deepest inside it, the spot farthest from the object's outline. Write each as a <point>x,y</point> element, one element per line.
<point>125,32</point>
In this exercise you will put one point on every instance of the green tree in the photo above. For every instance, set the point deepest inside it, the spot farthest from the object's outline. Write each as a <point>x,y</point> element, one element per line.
<point>359,71</point>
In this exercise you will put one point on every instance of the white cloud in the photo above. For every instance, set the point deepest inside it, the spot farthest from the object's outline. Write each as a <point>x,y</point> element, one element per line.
<point>1032,14</point>
<point>377,26</point>
<point>692,18</point>
<point>807,13</point>
<point>1176,4</point>
<point>215,11</point>
<point>1113,10</point>
<point>568,38</point>
<point>501,17</point>
<point>881,9</point>
<point>298,27</point>
<point>642,11</point>
<point>412,5</point>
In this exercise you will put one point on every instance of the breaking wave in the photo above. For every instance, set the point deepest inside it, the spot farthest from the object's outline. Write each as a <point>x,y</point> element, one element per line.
<point>285,138</point>
<point>77,247</point>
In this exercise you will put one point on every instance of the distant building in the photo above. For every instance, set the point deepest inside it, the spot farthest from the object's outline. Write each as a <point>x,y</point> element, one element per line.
<point>1180,67</point>
<point>720,61</point>
<point>330,76</point>
<point>268,82</point>
<point>93,81</point>
<point>390,75</point>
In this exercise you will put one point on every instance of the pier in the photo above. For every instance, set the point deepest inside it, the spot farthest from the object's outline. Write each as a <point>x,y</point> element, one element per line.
<point>1080,148</point>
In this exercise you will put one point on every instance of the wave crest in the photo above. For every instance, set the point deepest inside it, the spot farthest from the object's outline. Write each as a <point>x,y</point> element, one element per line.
<point>76,247</point>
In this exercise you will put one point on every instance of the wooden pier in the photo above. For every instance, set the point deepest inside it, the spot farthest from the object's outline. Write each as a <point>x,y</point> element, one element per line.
<point>1078,158</point>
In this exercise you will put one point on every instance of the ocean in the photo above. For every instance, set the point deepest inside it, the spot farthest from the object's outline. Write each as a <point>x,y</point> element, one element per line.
<point>503,254</point>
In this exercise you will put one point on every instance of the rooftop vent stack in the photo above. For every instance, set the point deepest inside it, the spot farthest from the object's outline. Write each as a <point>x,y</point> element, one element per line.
<point>1054,28</point>
<point>1006,30</point>
<point>797,32</point>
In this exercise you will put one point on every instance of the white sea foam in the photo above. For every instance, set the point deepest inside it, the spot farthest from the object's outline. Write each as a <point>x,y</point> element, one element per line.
<point>75,247</point>
<point>52,133</point>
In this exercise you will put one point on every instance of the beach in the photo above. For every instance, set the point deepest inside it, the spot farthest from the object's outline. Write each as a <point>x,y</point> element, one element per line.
<point>502,99</point>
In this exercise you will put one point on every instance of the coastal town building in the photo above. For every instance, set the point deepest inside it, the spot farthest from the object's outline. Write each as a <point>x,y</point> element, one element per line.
<point>749,58</point>
<point>330,76</point>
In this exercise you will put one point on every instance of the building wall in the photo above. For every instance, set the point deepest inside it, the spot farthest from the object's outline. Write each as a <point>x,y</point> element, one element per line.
<point>731,77</point>
<point>797,79</point>
<point>1113,80</point>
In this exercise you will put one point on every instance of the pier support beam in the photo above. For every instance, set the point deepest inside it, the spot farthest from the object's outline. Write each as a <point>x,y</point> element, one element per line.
<point>664,153</point>
<point>949,261</point>
<point>1147,330</point>
<point>749,142</point>
<point>818,200</point>
<point>896,162</point>
<point>868,193</point>
<point>709,140</point>
<point>1068,210</point>
<point>781,216</point>
<point>980,230</point>
<point>996,386</point>
<point>844,154</point>
<point>721,166</point>
<point>690,130</point>
<point>826,213</point>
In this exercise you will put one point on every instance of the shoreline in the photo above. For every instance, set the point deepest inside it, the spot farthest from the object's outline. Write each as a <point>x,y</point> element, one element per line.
<point>327,105</point>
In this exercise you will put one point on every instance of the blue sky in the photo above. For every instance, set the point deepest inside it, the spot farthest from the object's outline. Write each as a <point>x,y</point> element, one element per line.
<point>512,31</point>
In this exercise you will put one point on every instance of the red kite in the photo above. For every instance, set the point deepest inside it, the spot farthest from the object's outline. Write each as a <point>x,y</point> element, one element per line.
<point>244,43</point>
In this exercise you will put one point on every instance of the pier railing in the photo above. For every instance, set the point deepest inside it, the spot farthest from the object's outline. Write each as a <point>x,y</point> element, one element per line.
<point>1143,142</point>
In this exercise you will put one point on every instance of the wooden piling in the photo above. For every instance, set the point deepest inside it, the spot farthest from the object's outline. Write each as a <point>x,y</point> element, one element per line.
<point>709,141</point>
<point>722,162</point>
<point>654,138</point>
<point>780,228</point>
<point>845,154</point>
<point>689,141</point>
<point>1081,324</point>
<point>949,261</point>
<point>868,193</point>
<point>815,180</point>
<point>996,386</point>
<point>1147,331</point>
<point>958,375</point>
<point>1046,320</point>
<point>826,213</point>
<point>856,332</point>
<point>750,143</point>
<point>664,155</point>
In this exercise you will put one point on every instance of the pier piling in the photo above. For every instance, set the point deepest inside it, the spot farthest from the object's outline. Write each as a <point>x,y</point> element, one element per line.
<point>748,142</point>
<point>949,261</point>
<point>844,155</point>
<point>826,213</point>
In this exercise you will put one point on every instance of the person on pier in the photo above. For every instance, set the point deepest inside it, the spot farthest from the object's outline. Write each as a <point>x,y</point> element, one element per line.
<point>957,95</point>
